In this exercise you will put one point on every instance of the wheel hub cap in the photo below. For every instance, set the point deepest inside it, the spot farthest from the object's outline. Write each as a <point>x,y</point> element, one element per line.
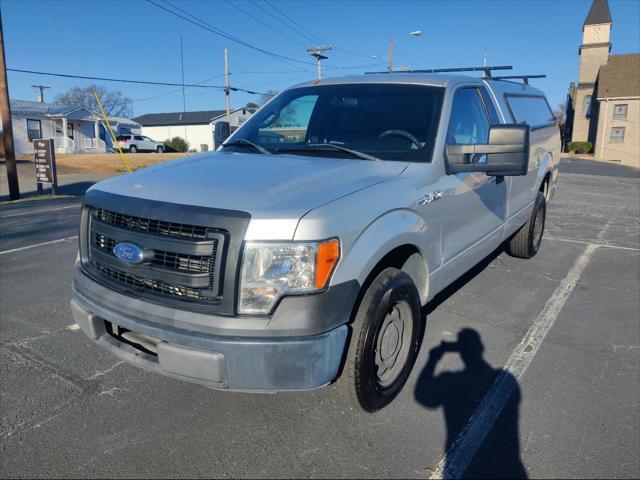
<point>392,346</point>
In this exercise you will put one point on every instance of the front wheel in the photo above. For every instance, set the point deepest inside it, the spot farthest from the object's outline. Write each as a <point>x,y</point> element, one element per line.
<point>160,149</point>
<point>384,343</point>
<point>526,242</point>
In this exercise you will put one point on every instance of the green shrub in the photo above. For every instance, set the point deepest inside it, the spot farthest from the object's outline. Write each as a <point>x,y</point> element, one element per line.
<point>178,144</point>
<point>580,147</point>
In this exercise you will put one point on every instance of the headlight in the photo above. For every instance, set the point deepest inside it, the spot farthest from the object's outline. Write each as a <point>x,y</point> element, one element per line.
<point>271,270</point>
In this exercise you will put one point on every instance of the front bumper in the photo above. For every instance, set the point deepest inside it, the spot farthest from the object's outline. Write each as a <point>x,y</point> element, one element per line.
<point>260,359</point>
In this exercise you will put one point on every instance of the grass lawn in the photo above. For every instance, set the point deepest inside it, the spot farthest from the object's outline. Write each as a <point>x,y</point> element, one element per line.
<point>105,162</point>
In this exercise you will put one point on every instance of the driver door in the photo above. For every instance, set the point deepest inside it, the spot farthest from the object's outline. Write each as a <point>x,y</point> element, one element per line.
<point>474,203</point>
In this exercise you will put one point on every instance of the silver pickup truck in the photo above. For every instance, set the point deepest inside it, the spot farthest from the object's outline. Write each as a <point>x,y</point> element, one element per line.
<point>303,250</point>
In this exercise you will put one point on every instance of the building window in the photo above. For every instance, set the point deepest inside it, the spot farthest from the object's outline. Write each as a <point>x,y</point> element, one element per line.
<point>70,130</point>
<point>34,129</point>
<point>58,124</point>
<point>620,111</point>
<point>586,106</point>
<point>617,134</point>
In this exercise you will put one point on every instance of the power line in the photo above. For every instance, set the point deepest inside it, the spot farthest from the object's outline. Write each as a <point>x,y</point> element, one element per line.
<point>207,26</point>
<point>305,32</point>
<point>264,23</point>
<point>141,82</point>
<point>301,30</point>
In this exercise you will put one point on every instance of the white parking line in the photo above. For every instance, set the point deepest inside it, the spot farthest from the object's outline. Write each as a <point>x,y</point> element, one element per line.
<point>13,250</point>
<point>39,211</point>
<point>459,457</point>
<point>600,244</point>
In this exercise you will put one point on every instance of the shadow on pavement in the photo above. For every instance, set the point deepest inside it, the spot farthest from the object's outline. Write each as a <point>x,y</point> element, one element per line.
<point>459,393</point>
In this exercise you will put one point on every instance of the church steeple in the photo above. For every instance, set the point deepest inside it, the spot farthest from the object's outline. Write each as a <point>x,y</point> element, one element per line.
<point>599,13</point>
<point>595,48</point>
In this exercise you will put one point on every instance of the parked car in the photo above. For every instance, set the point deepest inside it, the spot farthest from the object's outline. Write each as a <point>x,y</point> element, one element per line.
<point>139,143</point>
<point>303,250</point>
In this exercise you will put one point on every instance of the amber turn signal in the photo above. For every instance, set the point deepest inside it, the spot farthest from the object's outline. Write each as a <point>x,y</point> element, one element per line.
<point>328,256</point>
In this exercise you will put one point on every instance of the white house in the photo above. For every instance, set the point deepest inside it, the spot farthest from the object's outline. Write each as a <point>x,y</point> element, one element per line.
<point>196,127</point>
<point>75,129</point>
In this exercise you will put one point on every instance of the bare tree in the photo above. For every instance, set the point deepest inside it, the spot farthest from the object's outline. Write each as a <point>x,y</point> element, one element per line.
<point>560,114</point>
<point>113,101</point>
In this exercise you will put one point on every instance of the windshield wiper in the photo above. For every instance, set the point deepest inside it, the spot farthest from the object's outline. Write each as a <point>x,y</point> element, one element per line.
<point>241,142</point>
<point>327,147</point>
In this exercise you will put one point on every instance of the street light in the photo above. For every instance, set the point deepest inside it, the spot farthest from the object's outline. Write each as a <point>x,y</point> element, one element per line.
<point>415,33</point>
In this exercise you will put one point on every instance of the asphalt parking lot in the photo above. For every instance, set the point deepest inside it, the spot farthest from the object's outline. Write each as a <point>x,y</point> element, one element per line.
<point>69,409</point>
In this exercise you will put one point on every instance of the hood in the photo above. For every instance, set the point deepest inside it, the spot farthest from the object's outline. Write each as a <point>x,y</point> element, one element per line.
<point>266,186</point>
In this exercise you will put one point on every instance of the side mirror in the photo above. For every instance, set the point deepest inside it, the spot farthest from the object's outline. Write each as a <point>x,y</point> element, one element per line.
<point>221,132</point>
<point>506,154</point>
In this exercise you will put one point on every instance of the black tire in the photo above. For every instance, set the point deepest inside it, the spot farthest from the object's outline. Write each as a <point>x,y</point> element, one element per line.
<point>159,149</point>
<point>389,308</point>
<point>526,242</point>
<point>133,149</point>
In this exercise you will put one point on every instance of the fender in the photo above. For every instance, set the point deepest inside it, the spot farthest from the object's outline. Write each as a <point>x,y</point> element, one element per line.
<point>391,230</point>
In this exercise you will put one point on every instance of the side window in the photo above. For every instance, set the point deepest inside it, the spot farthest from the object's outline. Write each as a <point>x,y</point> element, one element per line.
<point>468,124</point>
<point>532,110</point>
<point>290,126</point>
<point>138,137</point>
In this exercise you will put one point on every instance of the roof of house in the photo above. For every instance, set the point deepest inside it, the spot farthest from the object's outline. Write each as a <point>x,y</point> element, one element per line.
<point>26,107</point>
<point>178,118</point>
<point>598,13</point>
<point>619,77</point>
<point>123,121</point>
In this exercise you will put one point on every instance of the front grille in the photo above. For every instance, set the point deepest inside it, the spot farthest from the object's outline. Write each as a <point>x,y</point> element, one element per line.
<point>156,227</point>
<point>181,260</point>
<point>149,284</point>
<point>168,260</point>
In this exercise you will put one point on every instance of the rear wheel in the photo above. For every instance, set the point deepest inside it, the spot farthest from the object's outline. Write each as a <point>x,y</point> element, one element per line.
<point>384,343</point>
<point>133,149</point>
<point>526,242</point>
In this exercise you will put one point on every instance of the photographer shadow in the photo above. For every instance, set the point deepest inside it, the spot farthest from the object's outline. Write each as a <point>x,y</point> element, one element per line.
<point>460,392</point>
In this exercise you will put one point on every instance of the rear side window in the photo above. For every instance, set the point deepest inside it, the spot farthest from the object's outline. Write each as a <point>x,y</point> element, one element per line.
<point>532,110</point>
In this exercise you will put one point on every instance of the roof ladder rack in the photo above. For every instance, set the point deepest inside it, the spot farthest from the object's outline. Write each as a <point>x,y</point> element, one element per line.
<point>524,78</point>
<point>487,70</point>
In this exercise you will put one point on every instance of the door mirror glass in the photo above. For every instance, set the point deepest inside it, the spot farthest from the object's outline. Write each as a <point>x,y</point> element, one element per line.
<point>505,154</point>
<point>221,132</point>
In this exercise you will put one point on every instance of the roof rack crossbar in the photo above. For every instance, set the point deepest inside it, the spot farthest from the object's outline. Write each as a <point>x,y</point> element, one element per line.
<point>487,70</point>
<point>524,78</point>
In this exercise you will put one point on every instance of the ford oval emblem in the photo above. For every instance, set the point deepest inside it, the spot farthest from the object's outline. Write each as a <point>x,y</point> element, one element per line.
<point>129,252</point>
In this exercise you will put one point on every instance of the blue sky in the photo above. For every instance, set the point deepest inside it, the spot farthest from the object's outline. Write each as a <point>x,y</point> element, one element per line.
<point>138,40</point>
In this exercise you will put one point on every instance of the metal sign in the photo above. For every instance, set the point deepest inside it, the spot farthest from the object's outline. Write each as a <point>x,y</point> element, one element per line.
<point>45,160</point>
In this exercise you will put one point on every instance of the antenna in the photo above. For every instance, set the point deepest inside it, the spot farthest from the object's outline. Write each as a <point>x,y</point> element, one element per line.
<point>487,70</point>
<point>524,78</point>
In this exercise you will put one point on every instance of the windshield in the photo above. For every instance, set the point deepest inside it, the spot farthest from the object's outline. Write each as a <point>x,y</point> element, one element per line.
<point>385,121</point>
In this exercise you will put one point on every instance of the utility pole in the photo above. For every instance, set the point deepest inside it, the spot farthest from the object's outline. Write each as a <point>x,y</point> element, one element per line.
<point>390,66</point>
<point>41,88</point>
<point>7,130</point>
<point>184,100</point>
<point>317,53</point>
<point>226,85</point>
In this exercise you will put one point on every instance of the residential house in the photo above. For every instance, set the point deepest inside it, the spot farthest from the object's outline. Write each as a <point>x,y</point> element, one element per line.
<point>74,129</point>
<point>604,106</point>
<point>195,127</point>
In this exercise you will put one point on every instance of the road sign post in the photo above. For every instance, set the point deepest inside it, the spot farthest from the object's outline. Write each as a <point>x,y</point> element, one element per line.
<point>45,160</point>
